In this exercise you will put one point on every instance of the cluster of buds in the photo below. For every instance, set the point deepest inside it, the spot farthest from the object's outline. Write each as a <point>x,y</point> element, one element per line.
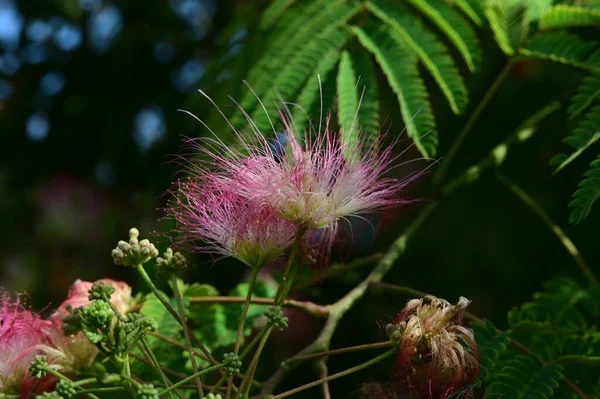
<point>65,389</point>
<point>101,291</point>
<point>134,252</point>
<point>39,366</point>
<point>170,261</point>
<point>233,363</point>
<point>276,318</point>
<point>137,324</point>
<point>146,391</point>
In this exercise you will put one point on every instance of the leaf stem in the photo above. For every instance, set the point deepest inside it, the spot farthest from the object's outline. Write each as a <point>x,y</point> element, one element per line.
<point>147,350</point>
<point>310,308</point>
<point>489,94</point>
<point>190,378</point>
<point>340,351</point>
<point>186,333</point>
<point>337,375</point>
<point>556,230</point>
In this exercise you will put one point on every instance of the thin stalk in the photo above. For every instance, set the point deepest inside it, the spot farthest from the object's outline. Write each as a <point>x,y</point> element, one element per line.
<point>337,375</point>
<point>190,378</point>
<point>556,230</point>
<point>167,305</point>
<point>308,307</point>
<point>471,122</point>
<point>98,390</point>
<point>147,350</point>
<point>240,330</point>
<point>186,334</point>
<point>218,384</point>
<point>284,287</point>
<point>340,351</point>
<point>63,377</point>
<point>84,381</point>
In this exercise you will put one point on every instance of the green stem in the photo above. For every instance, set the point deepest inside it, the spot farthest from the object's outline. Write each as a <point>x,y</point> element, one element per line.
<point>63,377</point>
<point>167,305</point>
<point>240,330</point>
<point>307,307</point>
<point>218,384</point>
<point>471,122</point>
<point>340,351</point>
<point>556,230</point>
<point>99,390</point>
<point>186,334</point>
<point>337,375</point>
<point>246,382</point>
<point>190,378</point>
<point>254,341</point>
<point>145,348</point>
<point>84,381</point>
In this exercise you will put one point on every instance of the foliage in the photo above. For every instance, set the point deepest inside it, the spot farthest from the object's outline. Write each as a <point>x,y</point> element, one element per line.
<point>550,338</point>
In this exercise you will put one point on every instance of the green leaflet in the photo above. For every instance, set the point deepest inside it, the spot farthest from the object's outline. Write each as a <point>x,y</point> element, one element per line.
<point>525,378</point>
<point>347,103</point>
<point>454,26</point>
<point>563,47</point>
<point>564,15</point>
<point>399,65</point>
<point>491,345</point>
<point>587,193</point>
<point>430,50</point>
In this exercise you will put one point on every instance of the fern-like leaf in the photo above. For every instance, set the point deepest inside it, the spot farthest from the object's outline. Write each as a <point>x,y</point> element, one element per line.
<point>536,8</point>
<point>347,102</point>
<point>491,345</point>
<point>472,9</point>
<point>431,52</point>
<point>580,139</point>
<point>454,26</point>
<point>508,22</point>
<point>274,11</point>
<point>563,15</point>
<point>309,109</point>
<point>587,92</point>
<point>563,47</point>
<point>525,378</point>
<point>368,112</point>
<point>309,22</point>
<point>399,65</point>
<point>290,80</point>
<point>587,193</point>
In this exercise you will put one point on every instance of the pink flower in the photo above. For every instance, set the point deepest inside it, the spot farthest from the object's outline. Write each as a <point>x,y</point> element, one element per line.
<point>312,185</point>
<point>78,296</point>
<point>228,224</point>
<point>437,356</point>
<point>23,335</point>
<point>76,352</point>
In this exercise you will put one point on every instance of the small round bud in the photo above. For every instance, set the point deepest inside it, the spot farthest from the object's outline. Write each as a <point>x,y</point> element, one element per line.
<point>134,252</point>
<point>171,261</point>
<point>213,396</point>
<point>65,389</point>
<point>233,363</point>
<point>276,318</point>
<point>101,291</point>
<point>147,391</point>
<point>39,366</point>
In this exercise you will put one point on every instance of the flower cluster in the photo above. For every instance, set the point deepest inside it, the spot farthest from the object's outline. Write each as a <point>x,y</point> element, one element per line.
<point>437,355</point>
<point>252,203</point>
<point>24,336</point>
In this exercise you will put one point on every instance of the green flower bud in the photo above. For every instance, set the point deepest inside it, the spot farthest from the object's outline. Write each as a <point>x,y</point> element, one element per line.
<point>134,252</point>
<point>213,396</point>
<point>101,291</point>
<point>233,363</point>
<point>276,318</point>
<point>39,366</point>
<point>147,391</point>
<point>171,261</point>
<point>49,395</point>
<point>65,389</point>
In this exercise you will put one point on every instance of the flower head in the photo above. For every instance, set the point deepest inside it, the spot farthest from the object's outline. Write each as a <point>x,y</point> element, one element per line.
<point>437,355</point>
<point>23,335</point>
<point>230,225</point>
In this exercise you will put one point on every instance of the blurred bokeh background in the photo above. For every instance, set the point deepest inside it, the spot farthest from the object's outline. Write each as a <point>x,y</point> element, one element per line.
<point>89,93</point>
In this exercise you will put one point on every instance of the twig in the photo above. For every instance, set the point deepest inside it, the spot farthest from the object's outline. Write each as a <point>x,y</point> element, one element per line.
<point>556,230</point>
<point>322,371</point>
<point>377,345</point>
<point>310,308</point>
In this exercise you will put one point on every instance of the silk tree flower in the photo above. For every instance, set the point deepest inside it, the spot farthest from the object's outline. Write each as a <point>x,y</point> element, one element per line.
<point>76,352</point>
<point>228,224</point>
<point>23,335</point>
<point>437,355</point>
